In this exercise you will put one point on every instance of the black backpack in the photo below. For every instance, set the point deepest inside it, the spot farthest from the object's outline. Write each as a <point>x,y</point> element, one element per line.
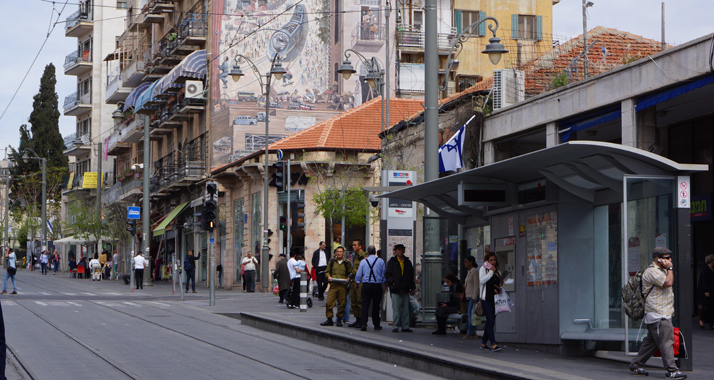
<point>187,265</point>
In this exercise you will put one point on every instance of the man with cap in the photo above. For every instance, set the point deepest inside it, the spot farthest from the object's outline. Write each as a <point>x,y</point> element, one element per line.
<point>657,281</point>
<point>400,279</point>
<point>282,273</point>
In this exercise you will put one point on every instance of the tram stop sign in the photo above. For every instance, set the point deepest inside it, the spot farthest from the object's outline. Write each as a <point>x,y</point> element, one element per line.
<point>134,212</point>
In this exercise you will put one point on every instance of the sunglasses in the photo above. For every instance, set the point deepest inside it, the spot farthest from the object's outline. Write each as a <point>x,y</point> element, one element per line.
<point>667,258</point>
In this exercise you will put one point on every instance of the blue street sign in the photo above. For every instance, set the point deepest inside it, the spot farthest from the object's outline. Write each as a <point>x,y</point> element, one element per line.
<point>279,154</point>
<point>213,241</point>
<point>134,212</point>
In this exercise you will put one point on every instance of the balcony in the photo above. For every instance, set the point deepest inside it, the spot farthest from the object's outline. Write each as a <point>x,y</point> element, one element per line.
<point>192,105</point>
<point>80,22</point>
<point>75,104</point>
<point>77,144</point>
<point>157,131</point>
<point>115,146</point>
<point>169,117</point>
<point>78,62</point>
<point>369,33</point>
<point>128,188</point>
<point>410,38</point>
<point>154,11</point>
<point>133,74</point>
<point>132,130</point>
<point>171,174</point>
<point>115,91</point>
<point>193,30</point>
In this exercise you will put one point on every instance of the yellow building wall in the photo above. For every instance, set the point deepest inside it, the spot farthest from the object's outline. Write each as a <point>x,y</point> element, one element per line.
<point>473,62</point>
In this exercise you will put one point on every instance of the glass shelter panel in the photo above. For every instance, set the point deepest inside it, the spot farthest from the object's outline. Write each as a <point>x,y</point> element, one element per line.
<point>649,222</point>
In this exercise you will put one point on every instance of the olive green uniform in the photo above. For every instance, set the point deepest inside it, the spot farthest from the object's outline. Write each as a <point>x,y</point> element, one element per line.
<point>356,295</point>
<point>338,290</point>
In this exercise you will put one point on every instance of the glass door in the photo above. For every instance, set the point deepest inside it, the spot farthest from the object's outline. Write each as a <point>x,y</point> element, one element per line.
<point>648,222</point>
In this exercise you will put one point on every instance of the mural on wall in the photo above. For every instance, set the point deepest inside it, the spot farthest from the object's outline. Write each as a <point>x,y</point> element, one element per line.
<point>299,32</point>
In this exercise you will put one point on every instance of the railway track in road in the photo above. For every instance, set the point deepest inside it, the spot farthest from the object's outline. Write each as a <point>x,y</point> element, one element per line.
<point>199,341</point>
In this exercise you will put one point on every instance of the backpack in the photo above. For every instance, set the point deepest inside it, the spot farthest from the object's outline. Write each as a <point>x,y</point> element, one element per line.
<point>187,265</point>
<point>632,299</point>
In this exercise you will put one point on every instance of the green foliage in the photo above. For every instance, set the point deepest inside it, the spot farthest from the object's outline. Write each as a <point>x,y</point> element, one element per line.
<point>82,218</point>
<point>330,201</point>
<point>560,80</point>
<point>44,119</point>
<point>22,235</point>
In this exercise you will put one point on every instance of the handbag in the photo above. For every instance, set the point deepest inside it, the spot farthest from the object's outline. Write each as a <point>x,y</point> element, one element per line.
<point>478,308</point>
<point>11,270</point>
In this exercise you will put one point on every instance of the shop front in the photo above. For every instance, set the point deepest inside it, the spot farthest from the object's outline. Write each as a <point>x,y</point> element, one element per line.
<point>569,225</point>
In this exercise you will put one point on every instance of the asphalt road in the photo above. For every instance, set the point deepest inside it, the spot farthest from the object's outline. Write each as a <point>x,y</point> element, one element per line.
<point>63,328</point>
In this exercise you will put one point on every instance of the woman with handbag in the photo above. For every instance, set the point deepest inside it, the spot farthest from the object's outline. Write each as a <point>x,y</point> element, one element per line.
<point>491,282</point>
<point>11,270</point>
<point>471,292</point>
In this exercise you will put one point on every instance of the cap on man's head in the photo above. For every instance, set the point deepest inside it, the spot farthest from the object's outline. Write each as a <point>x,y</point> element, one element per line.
<point>282,255</point>
<point>398,246</point>
<point>660,251</point>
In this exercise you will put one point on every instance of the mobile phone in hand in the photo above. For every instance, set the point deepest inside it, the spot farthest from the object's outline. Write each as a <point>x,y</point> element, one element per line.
<point>487,265</point>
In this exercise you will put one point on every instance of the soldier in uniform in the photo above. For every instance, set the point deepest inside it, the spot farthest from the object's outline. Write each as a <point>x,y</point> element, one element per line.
<point>355,295</point>
<point>338,274</point>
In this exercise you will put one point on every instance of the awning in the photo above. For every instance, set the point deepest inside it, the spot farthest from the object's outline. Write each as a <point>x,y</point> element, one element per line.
<point>73,240</point>
<point>193,66</point>
<point>579,167</point>
<point>567,128</point>
<point>659,97</point>
<point>147,96</point>
<point>134,95</point>
<point>169,218</point>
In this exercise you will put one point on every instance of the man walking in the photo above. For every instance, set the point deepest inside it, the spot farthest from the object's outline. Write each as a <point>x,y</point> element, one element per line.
<point>657,281</point>
<point>11,270</point>
<point>370,281</point>
<point>189,265</point>
<point>356,295</point>
<point>320,258</point>
<point>283,275</point>
<point>293,268</point>
<point>338,274</point>
<point>139,264</point>
<point>400,279</point>
<point>249,263</point>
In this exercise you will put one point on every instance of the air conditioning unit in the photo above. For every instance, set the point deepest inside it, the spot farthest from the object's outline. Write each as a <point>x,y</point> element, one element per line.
<point>508,87</point>
<point>194,89</point>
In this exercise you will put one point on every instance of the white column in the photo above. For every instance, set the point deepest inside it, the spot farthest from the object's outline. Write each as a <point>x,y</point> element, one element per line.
<point>629,123</point>
<point>551,135</point>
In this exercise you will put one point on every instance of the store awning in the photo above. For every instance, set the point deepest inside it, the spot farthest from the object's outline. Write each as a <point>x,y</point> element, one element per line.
<point>134,95</point>
<point>193,66</point>
<point>80,240</point>
<point>579,167</point>
<point>659,97</point>
<point>567,128</point>
<point>169,218</point>
<point>146,96</point>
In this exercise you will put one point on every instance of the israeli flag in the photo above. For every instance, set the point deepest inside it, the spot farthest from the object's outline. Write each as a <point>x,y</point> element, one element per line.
<point>49,227</point>
<point>450,154</point>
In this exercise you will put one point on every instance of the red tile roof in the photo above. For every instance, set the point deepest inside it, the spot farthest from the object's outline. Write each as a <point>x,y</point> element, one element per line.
<point>354,130</point>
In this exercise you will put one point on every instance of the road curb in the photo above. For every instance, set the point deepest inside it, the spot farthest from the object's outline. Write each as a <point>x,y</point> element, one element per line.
<point>394,355</point>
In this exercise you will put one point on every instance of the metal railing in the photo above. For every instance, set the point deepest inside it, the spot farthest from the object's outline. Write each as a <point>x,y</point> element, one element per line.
<point>191,163</point>
<point>76,57</point>
<point>193,25</point>
<point>412,36</point>
<point>369,31</point>
<point>84,13</point>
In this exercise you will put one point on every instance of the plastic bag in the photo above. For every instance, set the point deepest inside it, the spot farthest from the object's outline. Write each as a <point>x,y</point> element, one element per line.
<point>276,288</point>
<point>414,306</point>
<point>502,302</point>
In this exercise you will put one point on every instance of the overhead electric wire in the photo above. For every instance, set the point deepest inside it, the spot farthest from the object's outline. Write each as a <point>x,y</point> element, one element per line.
<point>36,56</point>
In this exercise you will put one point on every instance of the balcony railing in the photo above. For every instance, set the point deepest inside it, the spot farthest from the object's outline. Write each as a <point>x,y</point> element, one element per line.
<point>369,31</point>
<point>84,13</point>
<point>74,100</point>
<point>77,139</point>
<point>412,37</point>
<point>69,141</point>
<point>194,25</point>
<point>190,165</point>
<point>78,56</point>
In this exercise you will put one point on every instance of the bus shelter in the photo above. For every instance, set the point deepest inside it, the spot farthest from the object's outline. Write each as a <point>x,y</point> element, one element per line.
<point>570,224</point>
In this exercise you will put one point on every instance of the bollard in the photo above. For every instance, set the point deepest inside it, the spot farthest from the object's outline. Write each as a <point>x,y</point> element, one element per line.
<point>303,292</point>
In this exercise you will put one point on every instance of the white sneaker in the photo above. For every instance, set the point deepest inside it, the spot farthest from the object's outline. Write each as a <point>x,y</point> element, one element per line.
<point>675,375</point>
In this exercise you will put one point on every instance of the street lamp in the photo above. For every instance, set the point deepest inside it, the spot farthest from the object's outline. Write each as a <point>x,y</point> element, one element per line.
<point>26,157</point>
<point>118,113</point>
<point>374,78</point>
<point>277,70</point>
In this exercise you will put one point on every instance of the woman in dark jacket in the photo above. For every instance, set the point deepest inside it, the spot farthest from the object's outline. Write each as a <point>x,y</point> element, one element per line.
<point>400,279</point>
<point>452,306</point>
<point>706,292</point>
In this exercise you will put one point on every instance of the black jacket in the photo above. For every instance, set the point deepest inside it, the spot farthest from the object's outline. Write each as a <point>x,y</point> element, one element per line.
<point>316,257</point>
<point>397,282</point>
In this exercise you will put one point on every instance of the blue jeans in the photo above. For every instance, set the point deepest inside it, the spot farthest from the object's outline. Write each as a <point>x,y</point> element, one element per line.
<point>471,330</point>
<point>44,268</point>
<point>191,277</point>
<point>14,286</point>
<point>55,266</point>
<point>489,311</point>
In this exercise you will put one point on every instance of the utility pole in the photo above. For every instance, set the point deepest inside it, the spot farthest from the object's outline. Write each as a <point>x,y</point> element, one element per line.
<point>146,207</point>
<point>664,45</point>
<point>586,4</point>
<point>99,195</point>
<point>7,206</point>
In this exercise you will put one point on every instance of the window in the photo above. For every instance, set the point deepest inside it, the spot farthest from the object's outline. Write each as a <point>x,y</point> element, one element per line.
<point>468,18</point>
<point>526,27</point>
<point>418,19</point>
<point>121,4</point>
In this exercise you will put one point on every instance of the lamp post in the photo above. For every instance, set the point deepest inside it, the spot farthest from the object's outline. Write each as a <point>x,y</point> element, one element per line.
<point>44,191</point>
<point>431,281</point>
<point>277,70</point>
<point>8,178</point>
<point>374,78</point>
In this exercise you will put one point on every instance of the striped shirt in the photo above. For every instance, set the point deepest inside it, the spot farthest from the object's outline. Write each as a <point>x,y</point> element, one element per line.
<point>660,300</point>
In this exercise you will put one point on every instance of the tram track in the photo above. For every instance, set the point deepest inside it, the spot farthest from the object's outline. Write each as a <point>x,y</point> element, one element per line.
<point>203,341</point>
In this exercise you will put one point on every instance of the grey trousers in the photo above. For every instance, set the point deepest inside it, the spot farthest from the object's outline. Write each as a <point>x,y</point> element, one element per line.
<point>400,310</point>
<point>659,337</point>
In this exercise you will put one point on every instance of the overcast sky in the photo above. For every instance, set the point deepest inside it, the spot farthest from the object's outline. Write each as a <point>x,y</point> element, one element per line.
<point>25,23</point>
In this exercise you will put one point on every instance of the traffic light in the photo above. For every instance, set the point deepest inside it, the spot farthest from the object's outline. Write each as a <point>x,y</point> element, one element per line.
<point>297,209</point>
<point>208,219</point>
<point>132,227</point>
<point>280,179</point>
<point>283,223</point>
<point>211,192</point>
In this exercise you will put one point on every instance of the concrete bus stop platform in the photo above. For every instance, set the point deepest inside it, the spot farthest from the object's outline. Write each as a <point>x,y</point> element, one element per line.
<point>451,356</point>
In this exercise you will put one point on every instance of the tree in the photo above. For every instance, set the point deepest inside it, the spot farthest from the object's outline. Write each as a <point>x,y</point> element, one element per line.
<point>44,119</point>
<point>335,203</point>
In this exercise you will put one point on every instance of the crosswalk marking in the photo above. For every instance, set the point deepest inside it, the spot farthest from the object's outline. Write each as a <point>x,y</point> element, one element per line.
<point>41,303</point>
